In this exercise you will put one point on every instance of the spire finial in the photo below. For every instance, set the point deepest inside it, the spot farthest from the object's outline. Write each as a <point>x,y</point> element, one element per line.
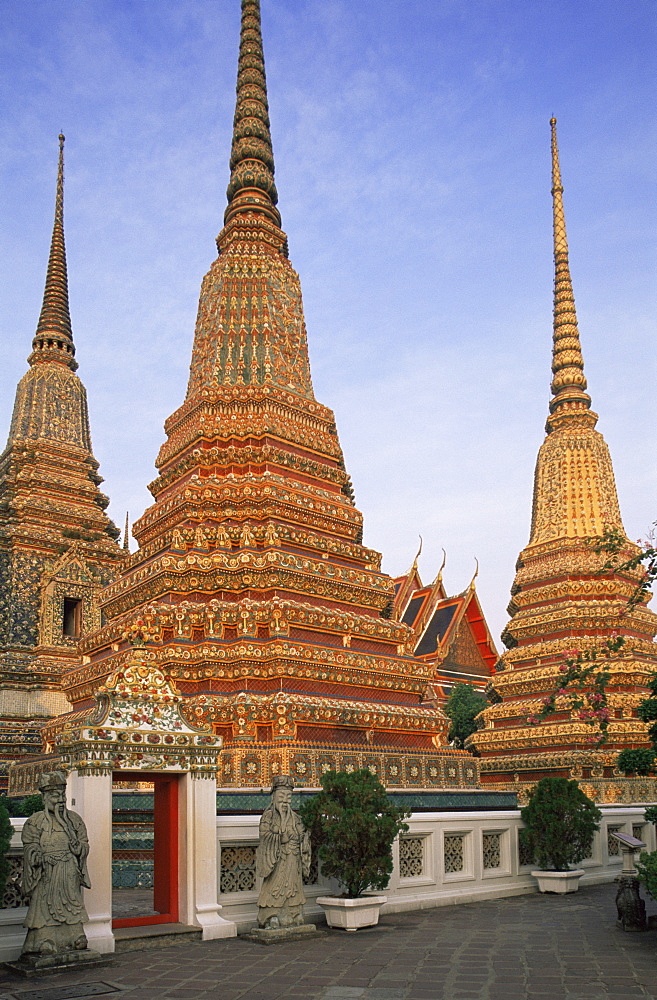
<point>419,551</point>
<point>569,383</point>
<point>476,574</point>
<point>439,575</point>
<point>251,187</point>
<point>126,544</point>
<point>53,340</point>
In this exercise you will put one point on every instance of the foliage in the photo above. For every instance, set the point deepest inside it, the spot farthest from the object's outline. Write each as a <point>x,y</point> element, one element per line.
<point>647,710</point>
<point>463,706</point>
<point>353,823</point>
<point>6,831</point>
<point>31,804</point>
<point>651,814</point>
<point>647,869</point>
<point>640,760</point>
<point>612,541</point>
<point>22,807</point>
<point>583,676</point>
<point>560,821</point>
<point>582,688</point>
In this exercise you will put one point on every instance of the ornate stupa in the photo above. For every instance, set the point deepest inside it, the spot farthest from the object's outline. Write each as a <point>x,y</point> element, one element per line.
<point>57,546</point>
<point>251,586</point>
<point>561,601</point>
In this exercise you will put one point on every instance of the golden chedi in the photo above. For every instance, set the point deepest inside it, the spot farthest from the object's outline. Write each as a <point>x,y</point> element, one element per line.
<point>57,546</point>
<point>561,601</point>
<point>251,583</point>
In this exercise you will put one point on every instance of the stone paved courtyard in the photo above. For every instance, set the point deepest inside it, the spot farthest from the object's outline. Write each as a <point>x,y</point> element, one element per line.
<point>525,947</point>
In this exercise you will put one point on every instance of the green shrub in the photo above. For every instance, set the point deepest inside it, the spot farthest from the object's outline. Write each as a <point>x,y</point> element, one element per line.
<point>560,822</point>
<point>353,823</point>
<point>640,760</point>
<point>6,832</point>
<point>647,869</point>
<point>651,814</point>
<point>462,707</point>
<point>22,807</point>
<point>31,804</point>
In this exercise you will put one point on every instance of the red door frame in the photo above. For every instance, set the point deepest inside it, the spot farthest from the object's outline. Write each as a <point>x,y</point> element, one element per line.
<point>165,844</point>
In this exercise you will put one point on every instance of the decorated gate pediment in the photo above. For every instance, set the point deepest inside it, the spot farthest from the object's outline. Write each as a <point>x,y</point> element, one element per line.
<point>136,724</point>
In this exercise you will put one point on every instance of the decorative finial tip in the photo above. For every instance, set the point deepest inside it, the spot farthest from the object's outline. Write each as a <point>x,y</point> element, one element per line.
<point>553,121</point>
<point>62,138</point>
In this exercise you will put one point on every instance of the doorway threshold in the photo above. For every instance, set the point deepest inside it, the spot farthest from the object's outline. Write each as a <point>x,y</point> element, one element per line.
<point>154,936</point>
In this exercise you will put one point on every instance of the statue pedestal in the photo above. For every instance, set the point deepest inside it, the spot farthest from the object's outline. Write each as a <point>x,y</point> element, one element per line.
<point>631,908</point>
<point>67,961</point>
<point>277,935</point>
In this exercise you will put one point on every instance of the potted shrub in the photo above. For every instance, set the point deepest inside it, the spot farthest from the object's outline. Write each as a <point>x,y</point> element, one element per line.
<point>647,869</point>
<point>6,833</point>
<point>560,823</point>
<point>353,824</point>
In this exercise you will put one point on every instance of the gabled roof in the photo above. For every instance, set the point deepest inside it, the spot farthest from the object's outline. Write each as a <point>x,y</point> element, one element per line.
<point>448,630</point>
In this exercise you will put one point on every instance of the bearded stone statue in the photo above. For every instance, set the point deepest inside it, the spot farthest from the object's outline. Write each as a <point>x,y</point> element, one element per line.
<point>282,860</point>
<point>55,849</point>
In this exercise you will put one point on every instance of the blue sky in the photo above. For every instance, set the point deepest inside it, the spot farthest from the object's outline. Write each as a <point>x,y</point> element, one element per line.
<point>412,162</point>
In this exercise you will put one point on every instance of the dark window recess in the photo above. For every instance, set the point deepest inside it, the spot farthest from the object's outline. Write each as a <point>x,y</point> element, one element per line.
<point>72,618</point>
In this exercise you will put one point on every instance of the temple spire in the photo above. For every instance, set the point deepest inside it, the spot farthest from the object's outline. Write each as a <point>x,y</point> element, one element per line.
<point>569,384</point>
<point>251,187</point>
<point>53,340</point>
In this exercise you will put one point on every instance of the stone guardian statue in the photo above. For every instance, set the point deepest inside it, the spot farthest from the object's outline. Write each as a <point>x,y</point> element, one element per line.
<point>55,849</point>
<point>282,860</point>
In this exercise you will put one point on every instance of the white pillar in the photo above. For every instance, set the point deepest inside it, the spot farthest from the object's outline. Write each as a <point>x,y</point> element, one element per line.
<point>91,797</point>
<point>199,904</point>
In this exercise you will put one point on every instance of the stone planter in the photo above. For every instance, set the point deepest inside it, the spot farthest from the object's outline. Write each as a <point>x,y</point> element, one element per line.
<point>12,933</point>
<point>559,881</point>
<point>350,914</point>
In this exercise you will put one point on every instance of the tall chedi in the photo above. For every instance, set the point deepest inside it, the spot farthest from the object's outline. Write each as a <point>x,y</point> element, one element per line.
<point>561,600</point>
<point>251,587</point>
<point>57,546</point>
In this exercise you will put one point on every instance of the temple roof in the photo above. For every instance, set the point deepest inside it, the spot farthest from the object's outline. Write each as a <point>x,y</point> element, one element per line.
<point>437,619</point>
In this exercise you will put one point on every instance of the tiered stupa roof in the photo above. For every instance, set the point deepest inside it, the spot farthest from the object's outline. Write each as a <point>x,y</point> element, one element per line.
<point>560,598</point>
<point>57,546</point>
<point>251,582</point>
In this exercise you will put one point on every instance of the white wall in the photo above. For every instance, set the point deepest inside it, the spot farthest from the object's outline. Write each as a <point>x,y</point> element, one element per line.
<point>432,886</point>
<point>435,886</point>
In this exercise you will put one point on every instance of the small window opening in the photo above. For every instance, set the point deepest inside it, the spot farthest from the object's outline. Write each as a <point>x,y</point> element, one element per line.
<point>72,618</point>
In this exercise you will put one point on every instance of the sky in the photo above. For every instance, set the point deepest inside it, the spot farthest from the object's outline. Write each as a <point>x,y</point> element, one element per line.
<point>412,149</point>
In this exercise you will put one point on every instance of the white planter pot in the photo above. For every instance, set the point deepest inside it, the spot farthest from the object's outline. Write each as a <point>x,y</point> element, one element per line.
<point>559,881</point>
<point>350,914</point>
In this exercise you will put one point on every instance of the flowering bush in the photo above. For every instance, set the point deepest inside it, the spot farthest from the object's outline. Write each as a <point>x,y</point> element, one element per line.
<point>583,677</point>
<point>582,685</point>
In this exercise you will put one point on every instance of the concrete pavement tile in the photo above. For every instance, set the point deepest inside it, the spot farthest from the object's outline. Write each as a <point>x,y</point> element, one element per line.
<point>343,992</point>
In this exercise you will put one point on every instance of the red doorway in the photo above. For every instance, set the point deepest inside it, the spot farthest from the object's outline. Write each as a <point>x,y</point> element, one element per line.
<point>165,847</point>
